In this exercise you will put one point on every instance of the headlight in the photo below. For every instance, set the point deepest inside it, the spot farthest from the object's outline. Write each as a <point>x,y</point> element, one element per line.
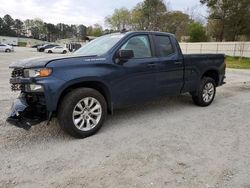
<point>43,72</point>
<point>33,88</point>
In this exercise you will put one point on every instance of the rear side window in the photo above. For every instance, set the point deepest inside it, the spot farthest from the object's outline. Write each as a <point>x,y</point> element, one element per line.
<point>164,46</point>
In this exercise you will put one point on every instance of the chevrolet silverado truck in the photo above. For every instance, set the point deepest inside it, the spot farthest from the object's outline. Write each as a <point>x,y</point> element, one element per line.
<point>110,72</point>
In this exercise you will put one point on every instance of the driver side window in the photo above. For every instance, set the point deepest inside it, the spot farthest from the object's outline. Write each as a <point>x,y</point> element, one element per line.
<point>140,46</point>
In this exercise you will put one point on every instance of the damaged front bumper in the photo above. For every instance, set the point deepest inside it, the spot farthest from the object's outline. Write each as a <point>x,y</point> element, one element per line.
<point>27,111</point>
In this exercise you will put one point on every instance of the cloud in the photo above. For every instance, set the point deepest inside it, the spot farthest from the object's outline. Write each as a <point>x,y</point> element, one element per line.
<point>67,11</point>
<point>87,12</point>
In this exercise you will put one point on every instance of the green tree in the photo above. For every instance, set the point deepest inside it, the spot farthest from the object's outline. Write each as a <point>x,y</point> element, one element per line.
<point>119,20</point>
<point>82,31</point>
<point>97,30</point>
<point>52,32</point>
<point>8,20</point>
<point>73,31</point>
<point>7,26</point>
<point>153,12</point>
<point>138,22</point>
<point>197,32</point>
<point>1,26</point>
<point>214,29</point>
<point>228,18</point>
<point>177,22</point>
<point>18,27</point>
<point>37,27</point>
<point>89,30</point>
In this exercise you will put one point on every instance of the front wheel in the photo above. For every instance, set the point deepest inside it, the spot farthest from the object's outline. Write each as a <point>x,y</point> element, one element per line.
<point>7,50</point>
<point>82,112</point>
<point>205,92</point>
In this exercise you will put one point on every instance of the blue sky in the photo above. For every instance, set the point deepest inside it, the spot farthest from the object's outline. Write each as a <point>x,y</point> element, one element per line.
<point>87,12</point>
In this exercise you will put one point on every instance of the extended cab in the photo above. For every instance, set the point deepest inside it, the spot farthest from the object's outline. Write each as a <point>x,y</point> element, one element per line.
<point>110,72</point>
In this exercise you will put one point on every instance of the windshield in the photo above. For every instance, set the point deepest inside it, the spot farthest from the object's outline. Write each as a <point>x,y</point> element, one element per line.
<point>100,45</point>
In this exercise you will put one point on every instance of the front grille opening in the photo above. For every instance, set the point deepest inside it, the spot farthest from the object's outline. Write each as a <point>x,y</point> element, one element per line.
<point>17,73</point>
<point>17,87</point>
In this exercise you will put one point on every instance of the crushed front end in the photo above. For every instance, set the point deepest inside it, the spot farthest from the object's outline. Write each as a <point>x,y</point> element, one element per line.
<point>30,107</point>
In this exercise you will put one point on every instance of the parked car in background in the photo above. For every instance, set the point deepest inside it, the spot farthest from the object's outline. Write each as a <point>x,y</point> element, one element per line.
<point>6,48</point>
<point>45,46</point>
<point>56,49</point>
<point>73,46</point>
<point>36,45</point>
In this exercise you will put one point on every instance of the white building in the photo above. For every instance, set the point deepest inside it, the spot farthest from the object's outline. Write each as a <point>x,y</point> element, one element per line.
<point>15,40</point>
<point>9,40</point>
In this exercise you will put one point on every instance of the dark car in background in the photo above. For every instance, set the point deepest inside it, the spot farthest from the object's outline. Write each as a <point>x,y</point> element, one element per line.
<point>45,46</point>
<point>36,45</point>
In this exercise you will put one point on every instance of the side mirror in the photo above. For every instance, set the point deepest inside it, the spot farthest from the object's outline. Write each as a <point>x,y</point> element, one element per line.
<point>124,55</point>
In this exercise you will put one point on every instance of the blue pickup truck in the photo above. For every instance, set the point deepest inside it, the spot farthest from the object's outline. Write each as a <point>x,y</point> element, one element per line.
<point>110,72</point>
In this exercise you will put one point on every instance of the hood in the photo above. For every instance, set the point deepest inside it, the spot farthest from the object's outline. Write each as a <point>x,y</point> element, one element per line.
<point>39,62</point>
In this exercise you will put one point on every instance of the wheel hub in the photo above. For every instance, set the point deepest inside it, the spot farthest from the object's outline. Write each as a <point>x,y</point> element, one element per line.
<point>87,113</point>
<point>208,92</point>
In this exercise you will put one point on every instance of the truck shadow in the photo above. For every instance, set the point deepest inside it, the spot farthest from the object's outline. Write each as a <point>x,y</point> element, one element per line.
<point>122,117</point>
<point>53,133</point>
<point>166,106</point>
<point>161,106</point>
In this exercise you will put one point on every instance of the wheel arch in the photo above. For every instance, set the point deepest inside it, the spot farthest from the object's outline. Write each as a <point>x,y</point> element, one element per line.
<point>212,73</point>
<point>97,85</point>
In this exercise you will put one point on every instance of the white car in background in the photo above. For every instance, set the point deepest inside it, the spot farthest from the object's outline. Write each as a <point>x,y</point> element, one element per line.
<point>57,49</point>
<point>6,48</point>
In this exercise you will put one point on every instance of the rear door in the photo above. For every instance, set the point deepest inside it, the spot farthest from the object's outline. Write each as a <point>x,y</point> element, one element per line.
<point>169,79</point>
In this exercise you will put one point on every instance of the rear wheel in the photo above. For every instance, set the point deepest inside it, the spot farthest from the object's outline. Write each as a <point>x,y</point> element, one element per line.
<point>7,50</point>
<point>205,92</point>
<point>82,112</point>
<point>50,52</point>
<point>64,52</point>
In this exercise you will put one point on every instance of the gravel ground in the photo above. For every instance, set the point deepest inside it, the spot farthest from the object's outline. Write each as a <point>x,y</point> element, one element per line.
<point>167,143</point>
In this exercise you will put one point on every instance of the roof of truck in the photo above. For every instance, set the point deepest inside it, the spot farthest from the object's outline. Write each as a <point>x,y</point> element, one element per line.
<point>148,32</point>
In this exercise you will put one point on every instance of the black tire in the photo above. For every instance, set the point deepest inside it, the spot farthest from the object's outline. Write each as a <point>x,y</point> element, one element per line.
<point>50,52</point>
<point>67,106</point>
<point>64,52</point>
<point>197,96</point>
<point>7,50</point>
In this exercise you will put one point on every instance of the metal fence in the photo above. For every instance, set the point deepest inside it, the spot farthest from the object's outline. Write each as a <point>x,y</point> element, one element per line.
<point>228,48</point>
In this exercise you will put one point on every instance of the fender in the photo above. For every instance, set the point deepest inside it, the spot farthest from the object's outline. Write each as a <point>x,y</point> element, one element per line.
<point>92,82</point>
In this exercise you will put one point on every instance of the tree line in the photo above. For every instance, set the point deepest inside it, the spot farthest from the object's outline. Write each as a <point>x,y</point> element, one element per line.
<point>38,29</point>
<point>228,20</point>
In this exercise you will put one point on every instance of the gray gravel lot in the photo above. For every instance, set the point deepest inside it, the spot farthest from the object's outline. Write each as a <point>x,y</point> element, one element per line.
<point>166,143</point>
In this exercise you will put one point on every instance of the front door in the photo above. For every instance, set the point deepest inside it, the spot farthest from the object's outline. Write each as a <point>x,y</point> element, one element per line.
<point>136,79</point>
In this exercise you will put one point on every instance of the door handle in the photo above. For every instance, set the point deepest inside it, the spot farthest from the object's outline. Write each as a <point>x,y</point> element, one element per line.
<point>151,65</point>
<point>178,62</point>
